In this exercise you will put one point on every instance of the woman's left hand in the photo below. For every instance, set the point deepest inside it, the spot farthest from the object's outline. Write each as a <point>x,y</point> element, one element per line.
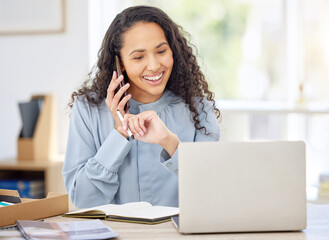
<point>148,127</point>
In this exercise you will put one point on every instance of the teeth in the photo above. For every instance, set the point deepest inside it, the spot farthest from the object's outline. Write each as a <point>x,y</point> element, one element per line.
<point>155,78</point>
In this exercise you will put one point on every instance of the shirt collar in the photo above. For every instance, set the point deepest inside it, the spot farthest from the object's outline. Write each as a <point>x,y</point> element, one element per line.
<point>157,106</point>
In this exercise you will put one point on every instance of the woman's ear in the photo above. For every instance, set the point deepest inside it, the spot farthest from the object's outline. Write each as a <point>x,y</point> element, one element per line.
<point>122,67</point>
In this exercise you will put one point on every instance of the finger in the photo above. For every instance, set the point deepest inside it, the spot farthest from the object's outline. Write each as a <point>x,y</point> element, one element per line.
<point>121,93</point>
<point>114,84</point>
<point>118,95</point>
<point>109,92</point>
<point>125,121</point>
<point>131,125</point>
<point>137,126</point>
<point>122,103</point>
<point>142,124</point>
<point>149,115</point>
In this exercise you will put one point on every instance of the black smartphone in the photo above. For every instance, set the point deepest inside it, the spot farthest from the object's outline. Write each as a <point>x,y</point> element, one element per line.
<point>122,83</point>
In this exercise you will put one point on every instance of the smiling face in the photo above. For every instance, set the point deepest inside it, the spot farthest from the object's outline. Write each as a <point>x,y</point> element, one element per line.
<point>148,61</point>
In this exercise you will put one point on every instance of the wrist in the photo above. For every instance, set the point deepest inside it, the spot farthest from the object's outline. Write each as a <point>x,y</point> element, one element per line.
<point>170,143</point>
<point>120,130</point>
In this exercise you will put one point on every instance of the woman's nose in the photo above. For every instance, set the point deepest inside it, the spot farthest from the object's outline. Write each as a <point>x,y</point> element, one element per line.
<point>153,64</point>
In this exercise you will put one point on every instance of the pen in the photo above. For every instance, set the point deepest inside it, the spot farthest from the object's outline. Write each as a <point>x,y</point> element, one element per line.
<point>131,136</point>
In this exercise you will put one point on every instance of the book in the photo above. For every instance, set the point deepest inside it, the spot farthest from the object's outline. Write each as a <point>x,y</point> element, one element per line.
<point>22,184</point>
<point>26,188</point>
<point>38,230</point>
<point>136,212</point>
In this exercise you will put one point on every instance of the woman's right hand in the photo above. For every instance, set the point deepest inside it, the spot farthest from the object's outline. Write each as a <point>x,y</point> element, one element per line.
<point>113,100</point>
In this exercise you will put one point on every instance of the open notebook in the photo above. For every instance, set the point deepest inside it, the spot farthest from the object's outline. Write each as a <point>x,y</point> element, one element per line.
<point>137,212</point>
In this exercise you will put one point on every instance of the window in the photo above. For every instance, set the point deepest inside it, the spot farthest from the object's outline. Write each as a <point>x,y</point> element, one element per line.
<point>258,50</point>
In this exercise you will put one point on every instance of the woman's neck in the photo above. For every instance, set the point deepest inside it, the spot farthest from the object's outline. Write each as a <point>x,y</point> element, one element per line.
<point>142,97</point>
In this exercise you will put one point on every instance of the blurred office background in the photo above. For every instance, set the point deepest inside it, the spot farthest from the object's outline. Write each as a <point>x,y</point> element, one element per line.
<point>266,61</point>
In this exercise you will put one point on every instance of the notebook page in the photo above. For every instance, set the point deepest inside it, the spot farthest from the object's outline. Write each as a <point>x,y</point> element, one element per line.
<point>113,209</point>
<point>151,212</point>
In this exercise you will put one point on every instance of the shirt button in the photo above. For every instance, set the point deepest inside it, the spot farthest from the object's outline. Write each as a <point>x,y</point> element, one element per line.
<point>169,164</point>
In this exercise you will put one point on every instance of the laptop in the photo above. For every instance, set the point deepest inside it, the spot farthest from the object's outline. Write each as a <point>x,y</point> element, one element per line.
<point>241,187</point>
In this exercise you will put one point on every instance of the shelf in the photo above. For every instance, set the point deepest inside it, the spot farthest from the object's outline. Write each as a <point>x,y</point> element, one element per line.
<point>49,171</point>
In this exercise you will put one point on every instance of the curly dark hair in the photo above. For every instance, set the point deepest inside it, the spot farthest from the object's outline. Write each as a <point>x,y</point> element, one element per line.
<point>186,79</point>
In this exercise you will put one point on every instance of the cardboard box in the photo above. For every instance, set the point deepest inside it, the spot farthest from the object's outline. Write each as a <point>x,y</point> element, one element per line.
<point>32,209</point>
<point>43,145</point>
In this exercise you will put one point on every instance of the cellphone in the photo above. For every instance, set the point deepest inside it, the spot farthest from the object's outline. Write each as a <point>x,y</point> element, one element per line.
<point>122,83</point>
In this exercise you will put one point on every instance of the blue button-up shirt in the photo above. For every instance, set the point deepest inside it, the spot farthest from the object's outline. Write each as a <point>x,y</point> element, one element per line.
<point>101,166</point>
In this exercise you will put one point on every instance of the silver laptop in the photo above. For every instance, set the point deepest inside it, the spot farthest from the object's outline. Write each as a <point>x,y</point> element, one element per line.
<point>241,187</point>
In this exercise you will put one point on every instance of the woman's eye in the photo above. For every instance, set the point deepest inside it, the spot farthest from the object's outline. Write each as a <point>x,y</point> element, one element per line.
<point>162,51</point>
<point>138,58</point>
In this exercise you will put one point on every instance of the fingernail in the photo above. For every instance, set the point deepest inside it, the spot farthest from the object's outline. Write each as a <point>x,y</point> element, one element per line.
<point>127,84</point>
<point>141,133</point>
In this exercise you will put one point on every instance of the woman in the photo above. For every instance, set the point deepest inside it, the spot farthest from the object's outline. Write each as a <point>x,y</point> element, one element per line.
<point>169,102</point>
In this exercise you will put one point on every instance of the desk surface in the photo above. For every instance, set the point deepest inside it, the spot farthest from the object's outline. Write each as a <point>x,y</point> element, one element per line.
<point>317,228</point>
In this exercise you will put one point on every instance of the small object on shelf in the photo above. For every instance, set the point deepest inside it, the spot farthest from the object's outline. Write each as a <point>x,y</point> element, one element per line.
<point>29,113</point>
<point>323,193</point>
<point>301,99</point>
<point>42,146</point>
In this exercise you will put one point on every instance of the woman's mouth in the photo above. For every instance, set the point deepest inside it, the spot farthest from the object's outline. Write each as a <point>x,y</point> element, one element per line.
<point>154,79</point>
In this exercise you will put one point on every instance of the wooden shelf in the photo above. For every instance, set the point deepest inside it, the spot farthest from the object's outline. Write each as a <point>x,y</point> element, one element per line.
<point>50,172</point>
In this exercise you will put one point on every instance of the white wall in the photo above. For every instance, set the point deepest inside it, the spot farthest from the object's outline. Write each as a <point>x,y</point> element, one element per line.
<point>34,64</point>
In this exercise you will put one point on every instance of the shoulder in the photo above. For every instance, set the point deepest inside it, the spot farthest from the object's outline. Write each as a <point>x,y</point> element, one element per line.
<point>84,107</point>
<point>81,105</point>
<point>83,99</point>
